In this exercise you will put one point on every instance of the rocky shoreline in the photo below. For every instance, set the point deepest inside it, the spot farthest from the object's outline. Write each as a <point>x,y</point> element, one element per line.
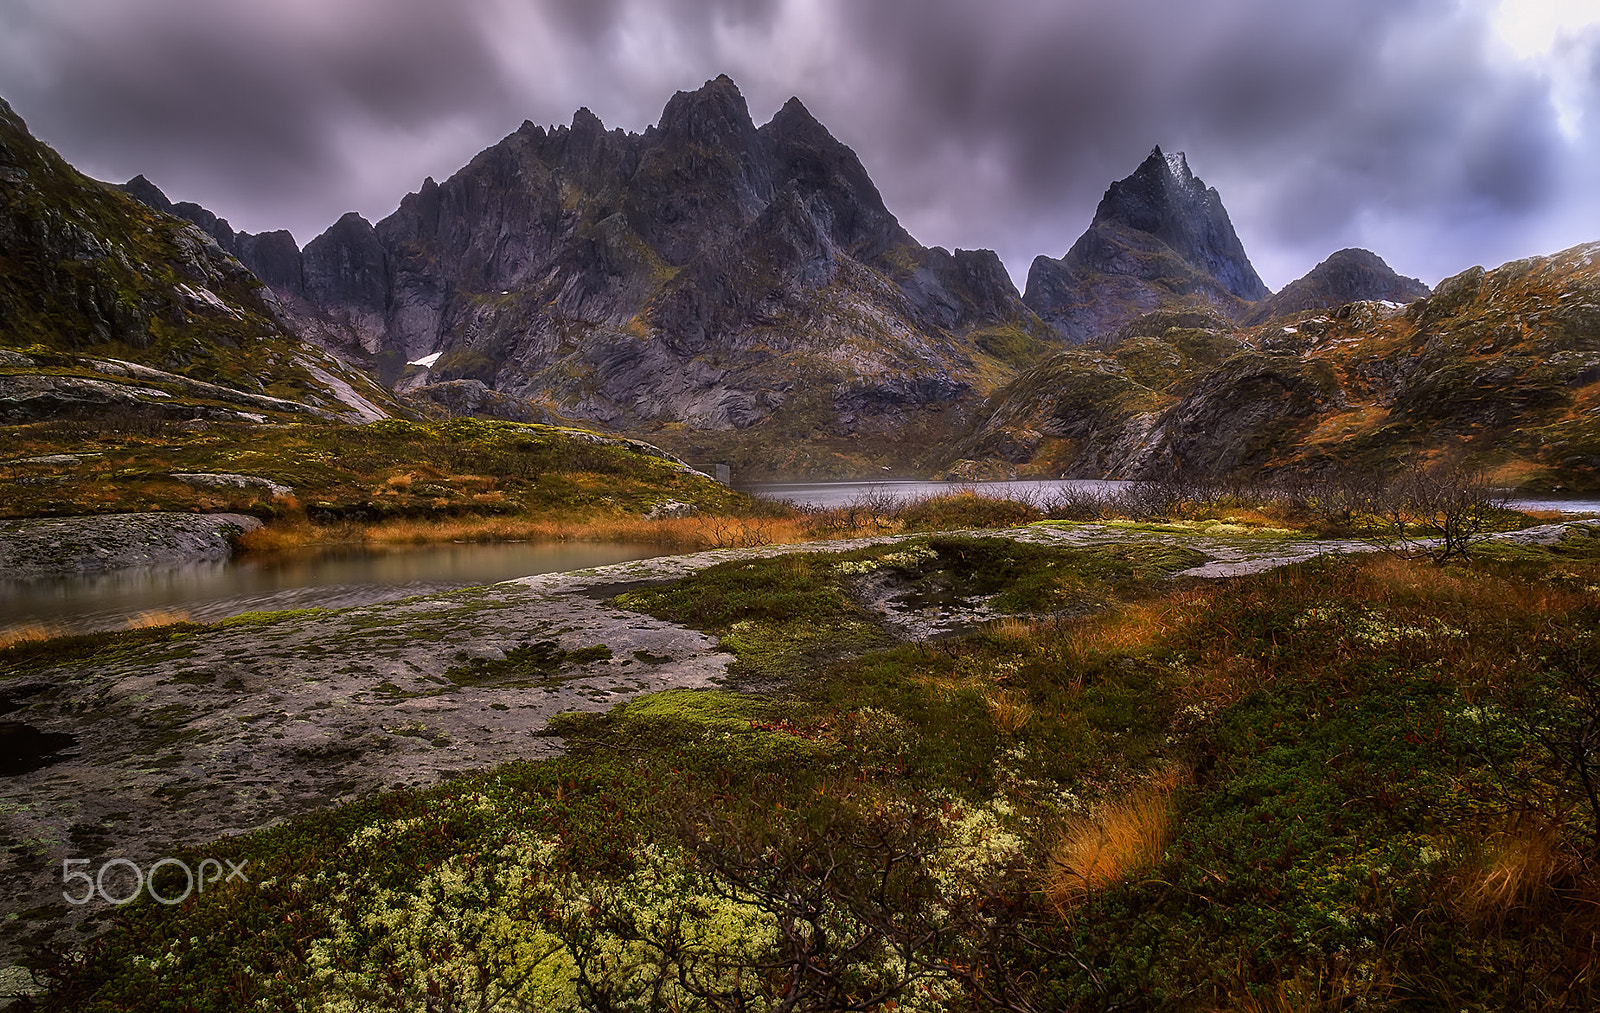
<point>51,547</point>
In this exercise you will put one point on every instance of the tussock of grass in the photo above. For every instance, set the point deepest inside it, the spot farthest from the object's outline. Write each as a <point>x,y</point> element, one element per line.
<point>157,617</point>
<point>1009,711</point>
<point>1118,839</point>
<point>28,633</point>
<point>1516,866</point>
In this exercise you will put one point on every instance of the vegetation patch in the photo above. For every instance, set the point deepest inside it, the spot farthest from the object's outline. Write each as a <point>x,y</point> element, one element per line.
<point>1352,783</point>
<point>90,648</point>
<point>525,664</point>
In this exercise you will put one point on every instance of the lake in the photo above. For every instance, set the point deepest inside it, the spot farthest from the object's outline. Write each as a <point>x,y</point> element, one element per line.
<point>833,494</point>
<point>328,579</point>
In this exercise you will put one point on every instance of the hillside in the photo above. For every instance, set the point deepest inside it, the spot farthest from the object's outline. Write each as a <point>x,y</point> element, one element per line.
<point>1497,369</point>
<point>110,307</point>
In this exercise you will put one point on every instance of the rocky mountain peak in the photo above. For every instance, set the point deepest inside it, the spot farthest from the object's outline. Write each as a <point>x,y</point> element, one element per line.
<point>347,264</point>
<point>843,194</point>
<point>794,122</point>
<point>1177,165</point>
<point>1351,275</point>
<point>715,115</point>
<point>1161,189</point>
<point>142,189</point>
<point>1164,198</point>
<point>585,122</point>
<point>1160,239</point>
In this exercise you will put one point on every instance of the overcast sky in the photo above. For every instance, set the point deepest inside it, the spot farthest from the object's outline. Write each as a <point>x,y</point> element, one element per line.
<point>1438,133</point>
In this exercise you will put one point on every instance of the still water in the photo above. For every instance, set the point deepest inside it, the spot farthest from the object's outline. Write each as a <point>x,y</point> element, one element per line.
<point>332,579</point>
<point>832,494</point>
<point>1038,491</point>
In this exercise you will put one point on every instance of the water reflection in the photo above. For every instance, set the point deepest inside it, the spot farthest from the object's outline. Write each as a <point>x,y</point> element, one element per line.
<point>832,494</point>
<point>1037,491</point>
<point>328,579</point>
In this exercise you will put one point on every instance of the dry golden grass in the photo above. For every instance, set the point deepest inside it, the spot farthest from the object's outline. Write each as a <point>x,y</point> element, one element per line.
<point>1118,839</point>
<point>794,565</point>
<point>29,632</point>
<point>1135,627</point>
<point>1015,629</point>
<point>691,533</point>
<point>1516,867</point>
<point>1009,710</point>
<point>157,617</point>
<point>1342,988</point>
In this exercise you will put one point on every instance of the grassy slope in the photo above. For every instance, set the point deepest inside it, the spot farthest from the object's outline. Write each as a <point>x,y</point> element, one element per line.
<point>388,471</point>
<point>1303,790</point>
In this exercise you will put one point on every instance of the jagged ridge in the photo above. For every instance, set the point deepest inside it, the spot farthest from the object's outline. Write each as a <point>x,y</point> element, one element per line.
<point>701,272</point>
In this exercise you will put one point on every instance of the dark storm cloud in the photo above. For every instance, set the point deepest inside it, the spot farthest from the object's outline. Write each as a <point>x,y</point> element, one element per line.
<point>1390,123</point>
<point>239,100</point>
<point>1309,117</point>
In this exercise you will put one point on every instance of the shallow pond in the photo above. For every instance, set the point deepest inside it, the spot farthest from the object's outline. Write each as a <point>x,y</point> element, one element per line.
<point>328,579</point>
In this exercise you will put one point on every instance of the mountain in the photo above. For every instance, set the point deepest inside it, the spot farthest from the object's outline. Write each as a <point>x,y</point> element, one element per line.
<point>1346,277</point>
<point>1160,239</point>
<point>726,288</point>
<point>272,256</point>
<point>107,305</point>
<point>1499,370</point>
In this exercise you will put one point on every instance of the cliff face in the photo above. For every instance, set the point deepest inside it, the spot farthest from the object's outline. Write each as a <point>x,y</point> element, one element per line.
<point>1498,369</point>
<point>704,272</point>
<point>88,274</point>
<point>1160,239</point>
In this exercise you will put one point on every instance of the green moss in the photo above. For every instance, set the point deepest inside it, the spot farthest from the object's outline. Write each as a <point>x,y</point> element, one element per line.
<point>523,665</point>
<point>780,617</point>
<point>1014,345</point>
<point>271,618</point>
<point>94,648</point>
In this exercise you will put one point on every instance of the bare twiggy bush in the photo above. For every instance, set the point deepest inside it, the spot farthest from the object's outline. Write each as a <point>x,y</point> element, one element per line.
<point>1343,502</point>
<point>1080,504</point>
